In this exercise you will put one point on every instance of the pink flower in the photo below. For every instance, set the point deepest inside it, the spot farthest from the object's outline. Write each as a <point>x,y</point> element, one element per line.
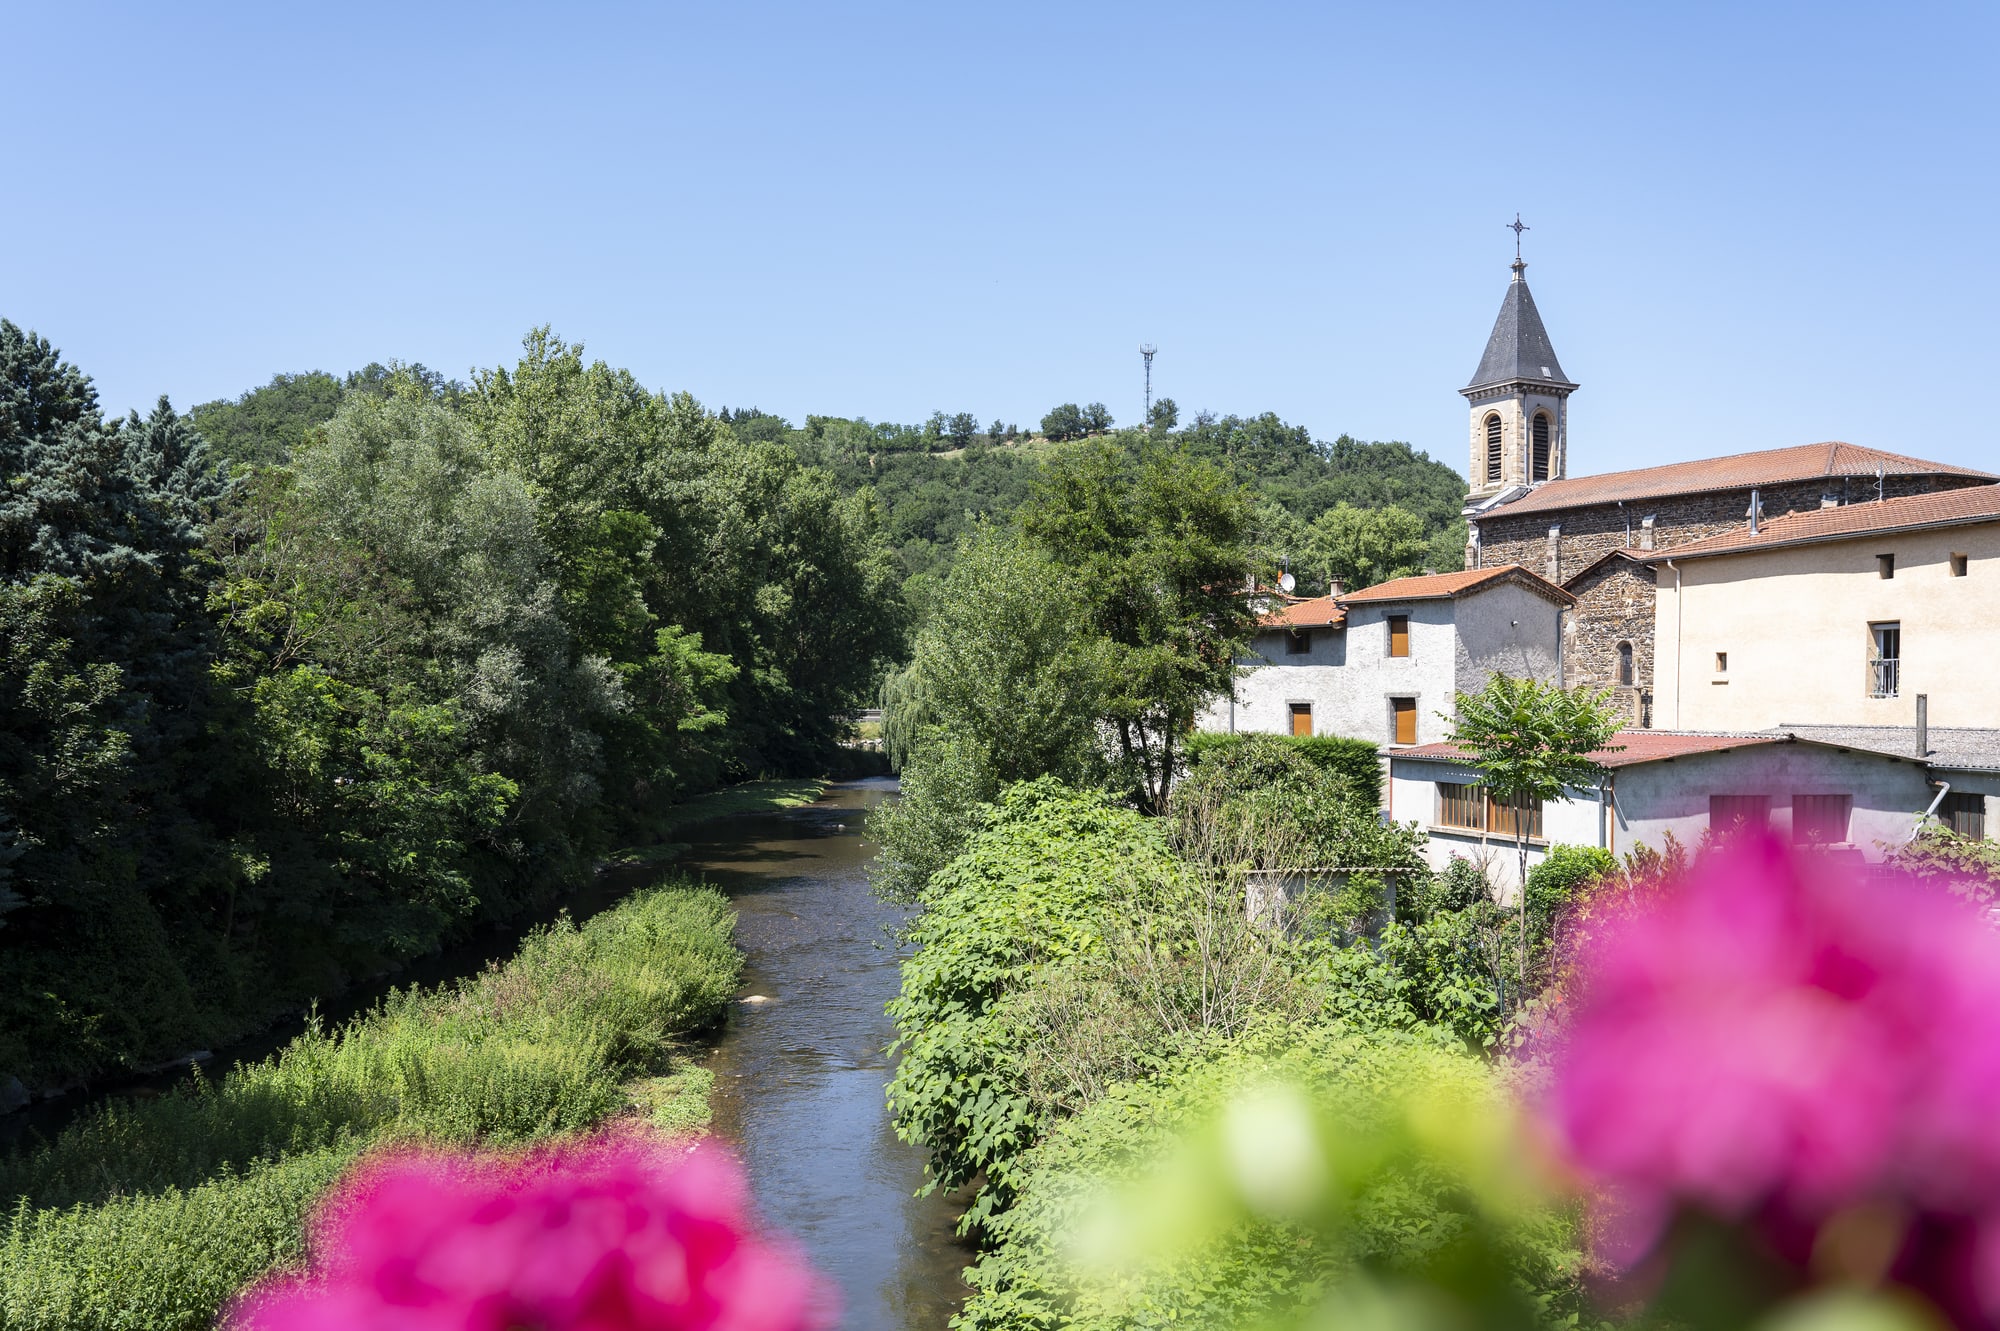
<point>1779,1043</point>
<point>624,1233</point>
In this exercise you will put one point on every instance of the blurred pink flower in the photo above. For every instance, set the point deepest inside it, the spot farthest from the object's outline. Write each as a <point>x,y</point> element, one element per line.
<point>1779,1042</point>
<point>624,1233</point>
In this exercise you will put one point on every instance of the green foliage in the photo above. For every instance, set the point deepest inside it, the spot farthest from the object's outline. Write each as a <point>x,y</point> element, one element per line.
<point>1304,1176</point>
<point>152,1213</point>
<point>1006,682</point>
<point>1355,763</point>
<point>1968,868</point>
<point>1360,547</point>
<point>1031,889</point>
<point>1565,876</point>
<point>264,426</point>
<point>1158,546</point>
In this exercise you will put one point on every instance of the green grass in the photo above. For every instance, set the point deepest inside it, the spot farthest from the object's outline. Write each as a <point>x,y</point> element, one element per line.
<point>151,1213</point>
<point>749,797</point>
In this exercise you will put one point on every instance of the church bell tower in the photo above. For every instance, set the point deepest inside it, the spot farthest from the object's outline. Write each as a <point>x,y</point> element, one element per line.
<point>1519,400</point>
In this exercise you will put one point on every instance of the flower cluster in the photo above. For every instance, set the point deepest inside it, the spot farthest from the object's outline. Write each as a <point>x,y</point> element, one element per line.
<point>618,1234</point>
<point>1780,1046</point>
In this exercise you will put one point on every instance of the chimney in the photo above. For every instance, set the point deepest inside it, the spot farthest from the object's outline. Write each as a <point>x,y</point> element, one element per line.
<point>1335,588</point>
<point>1756,511</point>
<point>1923,725</point>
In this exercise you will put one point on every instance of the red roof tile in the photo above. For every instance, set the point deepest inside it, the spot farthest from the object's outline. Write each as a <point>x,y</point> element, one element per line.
<point>1976,503</point>
<point>1432,586</point>
<point>1640,746</point>
<point>1318,612</point>
<point>1739,471</point>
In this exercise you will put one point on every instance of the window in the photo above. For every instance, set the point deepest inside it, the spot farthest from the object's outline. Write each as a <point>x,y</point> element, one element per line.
<point>1820,820</point>
<point>1469,808</point>
<point>1493,448</point>
<point>1298,642</point>
<point>1302,718</point>
<point>1885,659</point>
<point>1403,717</point>
<point>1964,814</point>
<point>1399,635</point>
<point>1626,674</point>
<point>1722,663</point>
<point>1541,438</point>
<point>1958,566</point>
<point>1461,806</point>
<point>1733,811</point>
<point>1885,565</point>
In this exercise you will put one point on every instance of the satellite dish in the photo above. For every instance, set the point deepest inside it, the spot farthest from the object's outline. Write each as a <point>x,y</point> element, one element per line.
<point>1286,583</point>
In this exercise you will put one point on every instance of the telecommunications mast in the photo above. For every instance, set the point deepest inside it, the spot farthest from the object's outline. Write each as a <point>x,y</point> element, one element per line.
<point>1146,350</point>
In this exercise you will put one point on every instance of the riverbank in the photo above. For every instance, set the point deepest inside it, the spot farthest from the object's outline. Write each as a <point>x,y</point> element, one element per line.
<point>154,1212</point>
<point>748,797</point>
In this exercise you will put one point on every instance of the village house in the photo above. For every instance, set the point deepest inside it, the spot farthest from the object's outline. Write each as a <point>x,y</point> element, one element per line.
<point>1831,796</point>
<point>1384,663</point>
<point>1590,534</point>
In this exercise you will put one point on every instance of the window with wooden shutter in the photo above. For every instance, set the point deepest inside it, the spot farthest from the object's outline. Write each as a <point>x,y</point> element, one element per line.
<point>1461,806</point>
<point>1404,713</point>
<point>1492,448</point>
<point>1302,718</point>
<point>1820,820</point>
<point>1515,817</point>
<point>1964,814</point>
<point>1399,635</point>
<point>1541,450</point>
<point>1728,812</point>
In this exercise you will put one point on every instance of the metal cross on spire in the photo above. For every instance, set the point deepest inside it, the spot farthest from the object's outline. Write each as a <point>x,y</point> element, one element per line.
<point>1517,226</point>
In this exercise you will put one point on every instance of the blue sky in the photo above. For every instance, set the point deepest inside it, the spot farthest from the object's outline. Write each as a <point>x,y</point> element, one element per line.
<point>1753,226</point>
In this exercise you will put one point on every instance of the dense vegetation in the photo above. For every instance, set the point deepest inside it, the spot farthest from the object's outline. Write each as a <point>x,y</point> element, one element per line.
<point>412,665</point>
<point>153,1213</point>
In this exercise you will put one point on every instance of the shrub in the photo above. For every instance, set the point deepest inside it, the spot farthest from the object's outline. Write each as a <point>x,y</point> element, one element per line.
<point>1032,889</point>
<point>1381,1161</point>
<point>1355,763</point>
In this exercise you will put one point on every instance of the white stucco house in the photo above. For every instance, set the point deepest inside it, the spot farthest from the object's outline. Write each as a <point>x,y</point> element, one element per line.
<point>1830,795</point>
<point>1382,664</point>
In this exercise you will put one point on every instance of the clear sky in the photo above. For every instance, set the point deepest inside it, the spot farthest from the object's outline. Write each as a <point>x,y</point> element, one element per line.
<point>1753,225</point>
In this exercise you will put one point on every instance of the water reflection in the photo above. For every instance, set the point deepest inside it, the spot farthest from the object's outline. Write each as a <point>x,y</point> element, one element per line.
<point>799,1076</point>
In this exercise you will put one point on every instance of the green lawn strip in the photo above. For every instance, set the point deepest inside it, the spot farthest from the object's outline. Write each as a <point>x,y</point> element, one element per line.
<point>152,1213</point>
<point>749,797</point>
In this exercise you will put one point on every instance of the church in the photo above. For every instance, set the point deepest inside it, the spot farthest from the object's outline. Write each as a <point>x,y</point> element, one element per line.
<point>1599,538</point>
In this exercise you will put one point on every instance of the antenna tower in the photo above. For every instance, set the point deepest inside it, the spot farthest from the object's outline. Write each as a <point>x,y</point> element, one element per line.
<point>1146,350</point>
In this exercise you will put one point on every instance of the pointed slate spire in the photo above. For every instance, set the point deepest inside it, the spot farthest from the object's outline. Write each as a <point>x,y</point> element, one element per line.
<point>1519,347</point>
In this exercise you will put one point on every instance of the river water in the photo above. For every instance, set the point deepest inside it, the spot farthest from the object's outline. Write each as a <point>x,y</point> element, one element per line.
<point>799,1076</point>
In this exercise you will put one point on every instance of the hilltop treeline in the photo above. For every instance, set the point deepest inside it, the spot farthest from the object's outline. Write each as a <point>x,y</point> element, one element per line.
<point>398,657</point>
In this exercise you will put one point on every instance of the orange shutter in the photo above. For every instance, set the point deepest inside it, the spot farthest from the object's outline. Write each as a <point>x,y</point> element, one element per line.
<point>1406,720</point>
<point>1302,718</point>
<point>1399,635</point>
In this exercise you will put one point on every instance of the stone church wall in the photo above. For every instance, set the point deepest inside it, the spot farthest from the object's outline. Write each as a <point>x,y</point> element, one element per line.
<point>1615,604</point>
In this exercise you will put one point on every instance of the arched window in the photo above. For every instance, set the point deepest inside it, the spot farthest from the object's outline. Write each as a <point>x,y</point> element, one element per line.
<point>1493,447</point>
<point>1540,470</point>
<point>1625,663</point>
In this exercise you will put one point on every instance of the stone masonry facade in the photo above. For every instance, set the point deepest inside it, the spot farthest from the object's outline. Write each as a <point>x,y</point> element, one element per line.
<point>1615,600</point>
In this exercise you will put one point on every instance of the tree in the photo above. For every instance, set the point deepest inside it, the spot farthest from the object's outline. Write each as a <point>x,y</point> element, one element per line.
<point>1360,547</point>
<point>1158,543</point>
<point>1096,418</point>
<point>1532,742</point>
<point>1064,422</point>
<point>1005,684</point>
<point>263,426</point>
<point>996,432</point>
<point>960,429</point>
<point>1164,415</point>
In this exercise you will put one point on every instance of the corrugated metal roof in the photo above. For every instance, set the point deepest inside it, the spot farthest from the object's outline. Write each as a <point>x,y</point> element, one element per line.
<point>1638,746</point>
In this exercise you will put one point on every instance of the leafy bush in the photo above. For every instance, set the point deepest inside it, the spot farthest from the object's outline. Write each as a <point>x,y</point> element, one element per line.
<point>1265,803</point>
<point>173,1203</point>
<point>1971,868</point>
<point>1563,877</point>
<point>1032,889</point>
<point>1381,1161</point>
<point>1355,763</point>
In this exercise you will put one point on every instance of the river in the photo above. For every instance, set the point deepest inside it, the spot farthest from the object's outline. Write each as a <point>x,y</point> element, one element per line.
<point>799,1076</point>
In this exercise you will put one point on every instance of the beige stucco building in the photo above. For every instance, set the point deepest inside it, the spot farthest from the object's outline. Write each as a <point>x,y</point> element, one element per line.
<point>1840,617</point>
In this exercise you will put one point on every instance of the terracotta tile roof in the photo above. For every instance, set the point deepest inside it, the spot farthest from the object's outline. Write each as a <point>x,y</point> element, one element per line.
<point>1976,503</point>
<point>1640,746</point>
<point>1739,471</point>
<point>1317,612</point>
<point>1433,586</point>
